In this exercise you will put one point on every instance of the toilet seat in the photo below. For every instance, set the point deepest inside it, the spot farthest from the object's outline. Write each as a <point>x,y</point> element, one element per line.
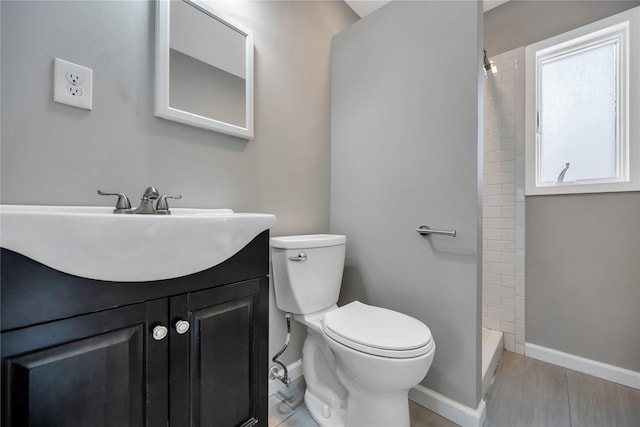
<point>377,331</point>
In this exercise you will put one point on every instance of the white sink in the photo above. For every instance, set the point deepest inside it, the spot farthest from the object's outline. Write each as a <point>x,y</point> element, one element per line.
<point>94,242</point>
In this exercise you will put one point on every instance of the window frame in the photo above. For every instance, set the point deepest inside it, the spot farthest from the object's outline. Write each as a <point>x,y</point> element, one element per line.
<point>624,28</point>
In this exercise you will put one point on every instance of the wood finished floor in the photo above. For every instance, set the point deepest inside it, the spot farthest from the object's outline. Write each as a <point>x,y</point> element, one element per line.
<point>530,393</point>
<point>525,393</point>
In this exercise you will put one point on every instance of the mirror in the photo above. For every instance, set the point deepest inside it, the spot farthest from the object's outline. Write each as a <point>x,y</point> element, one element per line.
<point>204,68</point>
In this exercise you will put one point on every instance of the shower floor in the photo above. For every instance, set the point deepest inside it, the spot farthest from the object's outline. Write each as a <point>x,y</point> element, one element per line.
<point>492,347</point>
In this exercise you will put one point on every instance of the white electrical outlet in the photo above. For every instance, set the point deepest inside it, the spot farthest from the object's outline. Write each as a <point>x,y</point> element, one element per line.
<point>72,84</point>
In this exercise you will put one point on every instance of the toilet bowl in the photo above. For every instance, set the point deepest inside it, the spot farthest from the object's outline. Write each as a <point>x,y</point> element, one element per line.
<point>359,361</point>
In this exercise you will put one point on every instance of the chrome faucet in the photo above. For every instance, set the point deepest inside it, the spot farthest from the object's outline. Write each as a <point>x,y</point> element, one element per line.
<point>146,203</point>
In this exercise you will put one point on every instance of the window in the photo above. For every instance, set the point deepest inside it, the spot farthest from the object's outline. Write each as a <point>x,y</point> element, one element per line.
<point>583,116</point>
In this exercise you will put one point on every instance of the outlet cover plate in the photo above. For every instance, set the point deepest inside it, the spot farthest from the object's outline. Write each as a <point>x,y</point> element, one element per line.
<point>76,91</point>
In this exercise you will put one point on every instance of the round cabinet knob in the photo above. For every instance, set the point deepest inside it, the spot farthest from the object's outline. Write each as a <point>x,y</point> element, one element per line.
<point>182,326</point>
<point>159,332</point>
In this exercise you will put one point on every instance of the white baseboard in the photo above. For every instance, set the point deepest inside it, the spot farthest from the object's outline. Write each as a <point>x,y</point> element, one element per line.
<point>295,372</point>
<point>597,369</point>
<point>449,408</point>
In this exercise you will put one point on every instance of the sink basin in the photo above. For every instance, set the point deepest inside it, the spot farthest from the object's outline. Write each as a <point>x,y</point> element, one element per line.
<point>93,242</point>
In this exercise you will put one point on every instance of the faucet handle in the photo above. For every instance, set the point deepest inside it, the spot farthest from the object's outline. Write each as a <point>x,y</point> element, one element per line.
<point>123,205</point>
<point>162,207</point>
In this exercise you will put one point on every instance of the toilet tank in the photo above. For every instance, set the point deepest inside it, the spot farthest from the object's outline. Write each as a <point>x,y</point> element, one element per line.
<point>307,271</point>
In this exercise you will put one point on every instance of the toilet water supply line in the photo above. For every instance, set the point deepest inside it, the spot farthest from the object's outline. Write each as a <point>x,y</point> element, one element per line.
<point>274,373</point>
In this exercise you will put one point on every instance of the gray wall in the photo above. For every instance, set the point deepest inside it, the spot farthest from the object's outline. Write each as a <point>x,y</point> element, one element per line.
<point>404,152</point>
<point>522,22</point>
<point>582,251</point>
<point>583,276</point>
<point>56,154</point>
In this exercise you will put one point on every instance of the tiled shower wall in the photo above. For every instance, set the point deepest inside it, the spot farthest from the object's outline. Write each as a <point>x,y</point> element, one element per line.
<point>503,198</point>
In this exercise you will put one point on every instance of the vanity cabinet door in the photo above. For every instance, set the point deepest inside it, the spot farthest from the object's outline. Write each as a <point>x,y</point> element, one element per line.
<point>90,370</point>
<point>225,351</point>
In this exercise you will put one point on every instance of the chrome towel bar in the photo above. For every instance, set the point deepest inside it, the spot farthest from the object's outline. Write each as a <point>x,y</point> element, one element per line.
<point>425,230</point>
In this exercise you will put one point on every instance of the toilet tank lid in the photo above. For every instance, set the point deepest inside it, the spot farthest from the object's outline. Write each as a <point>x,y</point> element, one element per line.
<point>307,241</point>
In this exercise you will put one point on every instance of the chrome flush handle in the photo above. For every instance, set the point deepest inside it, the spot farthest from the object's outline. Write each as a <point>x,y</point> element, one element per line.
<point>302,257</point>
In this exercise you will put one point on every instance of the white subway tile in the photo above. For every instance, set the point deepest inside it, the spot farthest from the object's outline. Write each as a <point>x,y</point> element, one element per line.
<point>492,157</point>
<point>508,281</point>
<point>501,245</point>
<point>493,79</point>
<point>519,235</point>
<point>498,313</point>
<point>509,235</point>
<point>508,189</point>
<point>520,308</point>
<point>491,146</point>
<point>520,284</point>
<point>494,267</point>
<point>519,115</point>
<point>507,132</point>
<point>509,224</point>
<point>502,177</point>
<point>508,199</point>
<point>491,301</point>
<point>509,76</point>
<point>492,123</point>
<point>509,342</point>
<point>520,166</point>
<point>500,291</point>
<point>508,166</point>
<point>520,260</point>
<point>507,327</point>
<point>493,200</point>
<point>492,212</point>
<point>508,55</point>
<point>508,123</point>
<point>520,331</point>
<point>492,222</point>
<point>491,255</point>
<point>506,155</point>
<point>507,258</point>
<point>507,304</point>
<point>509,212</point>
<point>520,143</point>
<point>492,189</point>
<point>520,217</point>
<point>519,97</point>
<point>492,233</point>
<point>491,323</point>
<point>491,279</point>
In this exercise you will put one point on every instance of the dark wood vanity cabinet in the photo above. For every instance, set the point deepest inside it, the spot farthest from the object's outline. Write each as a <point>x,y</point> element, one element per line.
<point>81,352</point>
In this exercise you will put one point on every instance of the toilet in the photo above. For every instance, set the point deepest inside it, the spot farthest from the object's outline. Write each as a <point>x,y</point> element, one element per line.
<point>359,361</point>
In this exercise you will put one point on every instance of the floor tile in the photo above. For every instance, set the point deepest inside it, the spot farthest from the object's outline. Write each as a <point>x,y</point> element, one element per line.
<point>422,417</point>
<point>279,411</point>
<point>596,402</point>
<point>527,392</point>
<point>301,418</point>
<point>294,394</point>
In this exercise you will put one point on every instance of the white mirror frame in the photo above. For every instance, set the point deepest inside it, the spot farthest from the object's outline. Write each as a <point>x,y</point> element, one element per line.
<point>162,106</point>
